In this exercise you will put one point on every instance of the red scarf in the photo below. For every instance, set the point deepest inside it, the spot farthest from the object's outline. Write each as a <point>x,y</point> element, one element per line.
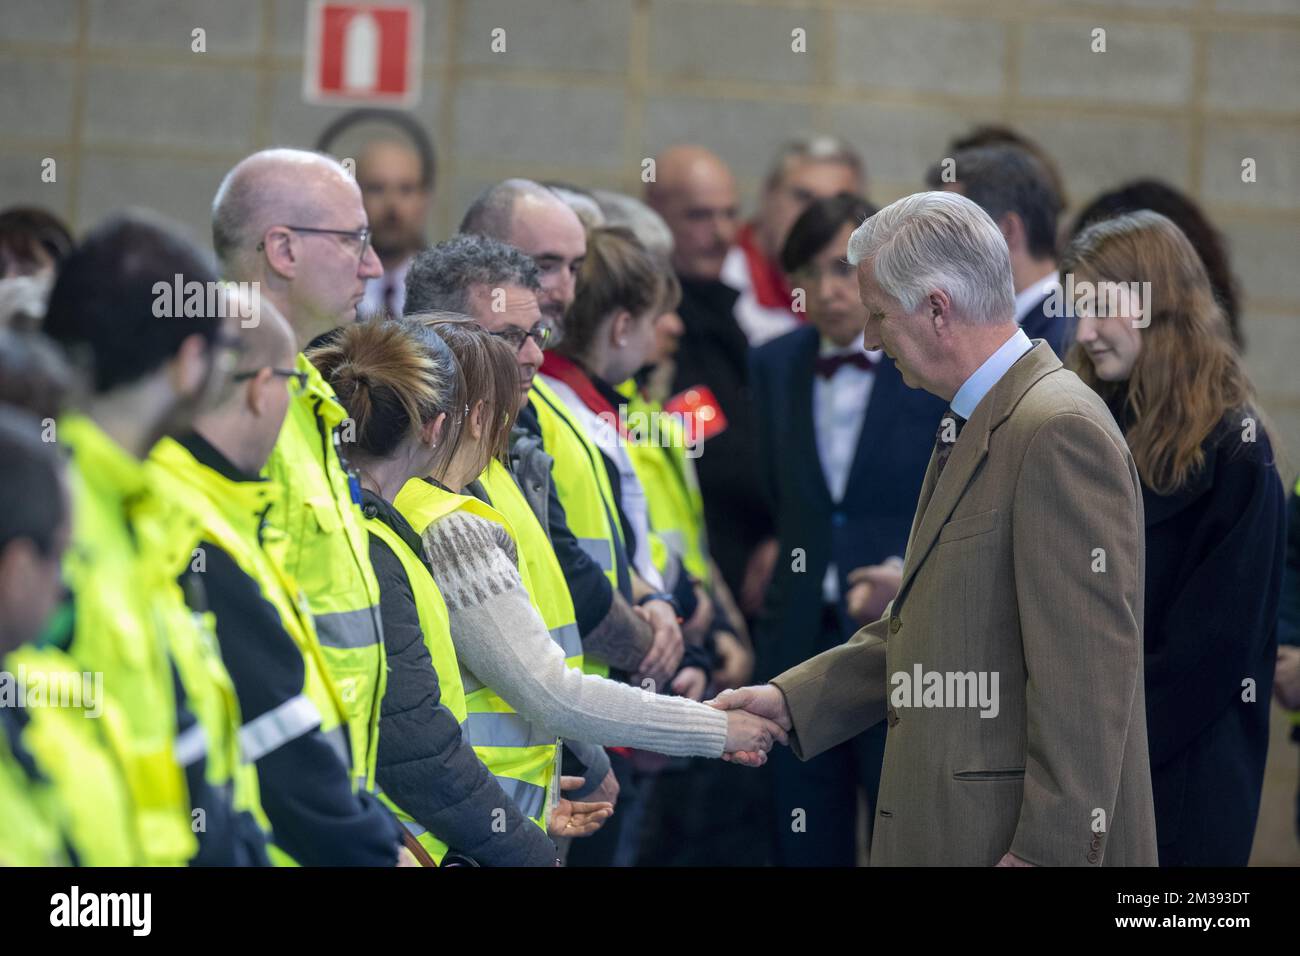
<point>765,276</point>
<point>567,371</point>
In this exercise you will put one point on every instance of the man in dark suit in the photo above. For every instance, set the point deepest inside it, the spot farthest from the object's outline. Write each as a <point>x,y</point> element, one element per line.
<point>1017,192</point>
<point>843,446</point>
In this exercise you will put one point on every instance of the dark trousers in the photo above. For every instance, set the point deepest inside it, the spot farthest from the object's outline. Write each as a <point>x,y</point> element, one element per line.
<point>815,802</point>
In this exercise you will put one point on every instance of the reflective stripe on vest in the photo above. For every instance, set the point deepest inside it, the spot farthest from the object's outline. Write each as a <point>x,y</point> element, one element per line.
<point>516,766</point>
<point>598,550</point>
<point>569,639</point>
<point>277,727</point>
<point>528,797</point>
<point>346,629</point>
<point>495,729</point>
<point>191,745</point>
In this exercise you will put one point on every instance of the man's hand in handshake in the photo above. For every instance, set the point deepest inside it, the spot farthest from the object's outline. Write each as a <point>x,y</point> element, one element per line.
<point>764,703</point>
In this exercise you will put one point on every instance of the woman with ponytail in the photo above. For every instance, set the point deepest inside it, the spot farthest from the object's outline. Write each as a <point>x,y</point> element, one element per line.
<point>398,395</point>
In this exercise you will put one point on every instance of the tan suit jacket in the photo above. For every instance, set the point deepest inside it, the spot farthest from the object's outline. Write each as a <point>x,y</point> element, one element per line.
<point>1026,561</point>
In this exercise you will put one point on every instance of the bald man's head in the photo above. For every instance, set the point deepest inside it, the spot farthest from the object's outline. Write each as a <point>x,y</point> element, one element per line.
<point>294,222</point>
<point>537,222</point>
<point>696,194</point>
<point>273,187</point>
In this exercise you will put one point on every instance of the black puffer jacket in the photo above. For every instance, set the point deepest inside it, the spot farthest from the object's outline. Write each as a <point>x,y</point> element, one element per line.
<point>425,764</point>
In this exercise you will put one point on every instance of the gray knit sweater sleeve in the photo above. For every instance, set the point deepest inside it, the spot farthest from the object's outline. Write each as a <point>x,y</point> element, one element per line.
<point>502,641</point>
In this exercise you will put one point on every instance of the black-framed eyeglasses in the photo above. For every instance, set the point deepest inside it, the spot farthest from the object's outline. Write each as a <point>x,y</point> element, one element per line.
<point>515,336</point>
<point>360,236</point>
<point>299,378</point>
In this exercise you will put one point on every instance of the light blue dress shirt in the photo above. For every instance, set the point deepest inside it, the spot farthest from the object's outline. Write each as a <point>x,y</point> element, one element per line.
<point>987,375</point>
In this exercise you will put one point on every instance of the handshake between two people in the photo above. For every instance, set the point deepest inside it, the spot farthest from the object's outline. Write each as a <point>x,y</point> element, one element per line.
<point>757,718</point>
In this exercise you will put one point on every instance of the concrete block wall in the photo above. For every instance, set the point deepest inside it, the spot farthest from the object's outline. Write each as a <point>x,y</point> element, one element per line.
<point>587,88</point>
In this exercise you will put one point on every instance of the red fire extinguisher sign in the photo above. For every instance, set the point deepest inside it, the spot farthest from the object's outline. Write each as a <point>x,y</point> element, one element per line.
<point>363,53</point>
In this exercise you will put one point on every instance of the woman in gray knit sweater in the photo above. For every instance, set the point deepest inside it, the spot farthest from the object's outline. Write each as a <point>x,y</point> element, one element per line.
<point>501,641</point>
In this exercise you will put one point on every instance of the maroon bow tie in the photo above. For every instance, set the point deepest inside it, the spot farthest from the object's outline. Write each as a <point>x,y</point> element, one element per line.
<point>828,365</point>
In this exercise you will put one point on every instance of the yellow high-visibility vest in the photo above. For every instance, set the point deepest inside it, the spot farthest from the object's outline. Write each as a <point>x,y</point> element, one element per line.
<point>315,533</point>
<point>232,516</point>
<point>583,487</point>
<point>524,760</point>
<point>436,629</point>
<point>119,631</point>
<point>71,745</point>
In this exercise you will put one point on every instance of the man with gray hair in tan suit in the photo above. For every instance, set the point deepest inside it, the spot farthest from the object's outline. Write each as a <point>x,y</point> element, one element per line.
<point>1009,665</point>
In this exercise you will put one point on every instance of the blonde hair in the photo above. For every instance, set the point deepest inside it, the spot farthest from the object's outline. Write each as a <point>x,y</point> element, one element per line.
<point>1187,377</point>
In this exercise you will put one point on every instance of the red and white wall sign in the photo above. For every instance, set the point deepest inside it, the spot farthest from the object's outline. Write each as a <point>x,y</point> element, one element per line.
<point>363,53</point>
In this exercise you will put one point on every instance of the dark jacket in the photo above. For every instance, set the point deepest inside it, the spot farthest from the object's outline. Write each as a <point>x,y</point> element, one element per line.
<point>872,521</point>
<point>1054,329</point>
<point>715,352</point>
<point>1214,555</point>
<point>426,765</point>
<point>1288,615</point>
<point>306,789</point>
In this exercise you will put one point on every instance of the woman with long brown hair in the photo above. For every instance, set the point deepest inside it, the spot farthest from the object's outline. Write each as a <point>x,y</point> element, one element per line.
<point>1152,341</point>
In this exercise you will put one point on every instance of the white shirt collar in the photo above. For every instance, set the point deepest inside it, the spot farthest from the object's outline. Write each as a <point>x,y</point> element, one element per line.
<point>1031,295</point>
<point>987,375</point>
<point>826,347</point>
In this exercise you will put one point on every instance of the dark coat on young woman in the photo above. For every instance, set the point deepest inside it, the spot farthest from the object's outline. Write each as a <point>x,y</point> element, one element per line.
<point>1215,552</point>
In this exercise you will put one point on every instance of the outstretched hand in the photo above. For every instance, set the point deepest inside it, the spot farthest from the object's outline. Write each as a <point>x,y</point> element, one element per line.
<point>757,718</point>
<point>573,818</point>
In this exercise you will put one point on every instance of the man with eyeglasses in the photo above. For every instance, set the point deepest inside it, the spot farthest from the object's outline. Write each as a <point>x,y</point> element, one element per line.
<point>293,223</point>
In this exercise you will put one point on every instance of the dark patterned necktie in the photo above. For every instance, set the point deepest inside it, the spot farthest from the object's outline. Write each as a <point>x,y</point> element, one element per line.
<point>945,438</point>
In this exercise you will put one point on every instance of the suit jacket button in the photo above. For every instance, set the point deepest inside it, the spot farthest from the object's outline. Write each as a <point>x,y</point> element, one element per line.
<point>891,717</point>
<point>1092,856</point>
<point>1096,843</point>
<point>895,624</point>
<point>839,519</point>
